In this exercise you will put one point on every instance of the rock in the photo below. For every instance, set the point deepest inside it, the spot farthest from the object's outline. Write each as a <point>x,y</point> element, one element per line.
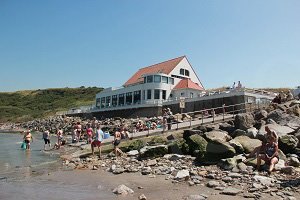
<point>197,145</point>
<point>231,191</point>
<point>178,147</point>
<point>280,165</point>
<point>237,146</point>
<point>71,166</point>
<point>288,143</point>
<point>182,175</point>
<point>135,145</point>
<point>146,170</point>
<point>213,184</point>
<point>288,170</point>
<point>158,140</point>
<point>280,130</point>
<point>123,190</point>
<point>243,121</point>
<point>216,151</point>
<point>153,151</point>
<point>142,197</point>
<point>194,197</point>
<point>252,132</point>
<point>118,170</point>
<point>173,157</point>
<point>188,133</point>
<point>276,115</point>
<point>151,162</point>
<point>235,175</point>
<point>242,166</point>
<point>227,128</point>
<point>227,164</point>
<point>293,161</point>
<point>261,114</point>
<point>266,181</point>
<point>133,153</point>
<point>217,136</point>
<point>248,144</point>
<point>238,132</point>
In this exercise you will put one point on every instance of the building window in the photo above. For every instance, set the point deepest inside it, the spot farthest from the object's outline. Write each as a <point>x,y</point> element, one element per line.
<point>157,79</point>
<point>114,100</point>
<point>121,99</point>
<point>149,79</point>
<point>102,102</point>
<point>98,102</point>
<point>187,73</point>
<point>192,95</point>
<point>182,71</point>
<point>144,94</point>
<point>149,94</point>
<point>164,94</point>
<point>128,98</point>
<point>164,79</point>
<point>137,96</point>
<point>171,81</point>
<point>145,79</point>
<point>107,102</point>
<point>182,94</point>
<point>156,94</point>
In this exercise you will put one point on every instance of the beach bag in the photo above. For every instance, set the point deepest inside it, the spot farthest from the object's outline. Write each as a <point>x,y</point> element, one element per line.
<point>106,135</point>
<point>23,145</point>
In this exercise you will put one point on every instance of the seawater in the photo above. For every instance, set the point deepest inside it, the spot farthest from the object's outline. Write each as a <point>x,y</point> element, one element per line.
<point>17,163</point>
<point>20,170</point>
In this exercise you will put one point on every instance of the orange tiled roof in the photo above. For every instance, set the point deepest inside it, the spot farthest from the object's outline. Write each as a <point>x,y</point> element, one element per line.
<point>187,83</point>
<point>163,67</point>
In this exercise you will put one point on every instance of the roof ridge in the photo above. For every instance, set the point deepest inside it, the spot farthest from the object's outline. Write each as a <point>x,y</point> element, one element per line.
<point>163,62</point>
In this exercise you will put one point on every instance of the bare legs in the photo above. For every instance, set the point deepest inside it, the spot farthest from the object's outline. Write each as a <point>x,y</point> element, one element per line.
<point>271,163</point>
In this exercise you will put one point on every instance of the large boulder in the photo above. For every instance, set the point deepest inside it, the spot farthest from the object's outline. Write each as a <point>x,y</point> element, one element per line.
<point>294,110</point>
<point>280,130</point>
<point>158,140</point>
<point>229,128</point>
<point>123,190</point>
<point>134,145</point>
<point>277,115</point>
<point>178,147</point>
<point>288,143</point>
<point>197,145</point>
<point>248,144</point>
<point>244,121</point>
<point>216,151</point>
<point>217,136</point>
<point>252,132</point>
<point>153,151</point>
<point>188,133</point>
<point>261,114</point>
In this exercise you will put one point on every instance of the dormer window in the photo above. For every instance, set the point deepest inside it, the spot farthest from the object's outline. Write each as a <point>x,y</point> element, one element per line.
<point>187,73</point>
<point>149,79</point>
<point>181,71</point>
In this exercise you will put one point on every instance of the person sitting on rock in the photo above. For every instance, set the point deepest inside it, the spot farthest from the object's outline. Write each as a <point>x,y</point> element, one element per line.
<point>277,99</point>
<point>270,153</point>
<point>116,142</point>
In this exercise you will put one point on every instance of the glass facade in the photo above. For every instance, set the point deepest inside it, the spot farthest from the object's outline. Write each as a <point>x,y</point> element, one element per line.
<point>128,98</point>
<point>121,99</point>
<point>156,94</point>
<point>137,96</point>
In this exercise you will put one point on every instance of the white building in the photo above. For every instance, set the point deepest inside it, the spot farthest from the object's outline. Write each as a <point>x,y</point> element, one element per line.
<point>153,85</point>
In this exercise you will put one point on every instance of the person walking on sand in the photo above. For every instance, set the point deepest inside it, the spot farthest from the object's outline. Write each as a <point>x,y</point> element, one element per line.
<point>116,142</point>
<point>99,135</point>
<point>46,137</point>
<point>28,139</point>
<point>59,134</point>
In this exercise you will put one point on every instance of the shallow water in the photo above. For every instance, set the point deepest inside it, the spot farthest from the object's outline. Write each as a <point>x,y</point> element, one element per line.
<point>17,163</point>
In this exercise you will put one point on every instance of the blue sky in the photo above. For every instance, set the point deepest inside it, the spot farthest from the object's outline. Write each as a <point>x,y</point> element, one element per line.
<point>71,43</point>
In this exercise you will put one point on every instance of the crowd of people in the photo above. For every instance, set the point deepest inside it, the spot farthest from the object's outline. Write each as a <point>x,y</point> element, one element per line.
<point>284,97</point>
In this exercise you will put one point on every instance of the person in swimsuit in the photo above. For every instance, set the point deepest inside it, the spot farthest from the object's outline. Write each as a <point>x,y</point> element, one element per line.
<point>270,153</point>
<point>28,139</point>
<point>59,134</point>
<point>116,142</point>
<point>98,140</point>
<point>89,134</point>
<point>46,137</point>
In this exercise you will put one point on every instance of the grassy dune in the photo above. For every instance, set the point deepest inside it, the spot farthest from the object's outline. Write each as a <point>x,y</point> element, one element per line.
<point>30,104</point>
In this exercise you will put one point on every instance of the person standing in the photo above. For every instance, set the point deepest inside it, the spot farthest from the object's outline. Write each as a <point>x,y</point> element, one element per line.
<point>46,137</point>
<point>28,139</point>
<point>59,134</point>
<point>89,133</point>
<point>169,118</point>
<point>99,135</point>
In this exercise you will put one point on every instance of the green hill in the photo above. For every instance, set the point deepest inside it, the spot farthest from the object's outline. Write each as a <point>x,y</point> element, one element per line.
<point>29,104</point>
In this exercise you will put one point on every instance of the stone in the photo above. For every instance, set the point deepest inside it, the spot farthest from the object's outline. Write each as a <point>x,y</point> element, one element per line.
<point>118,170</point>
<point>248,144</point>
<point>217,136</point>
<point>238,132</point>
<point>244,121</point>
<point>235,175</point>
<point>146,170</point>
<point>229,128</point>
<point>216,151</point>
<point>280,130</point>
<point>153,151</point>
<point>252,132</point>
<point>288,170</point>
<point>178,147</point>
<point>261,114</point>
<point>133,153</point>
<point>123,190</point>
<point>173,157</point>
<point>294,161</point>
<point>152,162</point>
<point>266,181</point>
<point>213,184</point>
<point>242,166</point>
<point>231,191</point>
<point>280,165</point>
<point>188,133</point>
<point>197,145</point>
<point>288,143</point>
<point>237,146</point>
<point>227,164</point>
<point>182,175</point>
<point>142,197</point>
<point>194,197</point>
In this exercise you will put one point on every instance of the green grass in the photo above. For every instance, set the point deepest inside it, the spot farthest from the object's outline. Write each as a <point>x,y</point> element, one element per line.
<point>30,104</point>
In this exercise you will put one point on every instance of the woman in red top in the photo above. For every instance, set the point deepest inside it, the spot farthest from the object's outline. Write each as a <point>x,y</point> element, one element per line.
<point>89,133</point>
